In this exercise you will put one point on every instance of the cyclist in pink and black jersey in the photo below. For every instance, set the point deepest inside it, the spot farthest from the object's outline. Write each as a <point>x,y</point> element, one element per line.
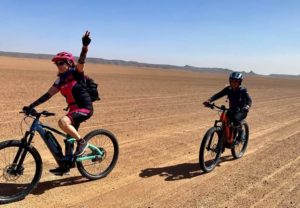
<point>70,84</point>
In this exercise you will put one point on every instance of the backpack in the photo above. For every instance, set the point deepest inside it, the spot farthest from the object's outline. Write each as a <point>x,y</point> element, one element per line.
<point>91,87</point>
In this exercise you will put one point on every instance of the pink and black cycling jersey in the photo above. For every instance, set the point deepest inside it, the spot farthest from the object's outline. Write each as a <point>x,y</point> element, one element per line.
<point>70,85</point>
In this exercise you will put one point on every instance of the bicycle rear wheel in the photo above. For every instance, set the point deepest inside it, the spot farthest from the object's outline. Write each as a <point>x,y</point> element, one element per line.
<point>16,181</point>
<point>210,149</point>
<point>239,149</point>
<point>101,166</point>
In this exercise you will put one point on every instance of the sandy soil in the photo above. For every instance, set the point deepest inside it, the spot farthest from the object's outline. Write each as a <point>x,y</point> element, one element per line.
<point>159,121</point>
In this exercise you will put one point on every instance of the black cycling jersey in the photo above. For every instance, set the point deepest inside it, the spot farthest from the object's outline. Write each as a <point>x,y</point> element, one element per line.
<point>238,98</point>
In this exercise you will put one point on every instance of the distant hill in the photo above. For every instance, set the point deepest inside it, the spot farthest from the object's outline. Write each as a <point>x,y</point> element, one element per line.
<point>119,62</point>
<point>26,55</point>
<point>138,64</point>
<point>285,76</point>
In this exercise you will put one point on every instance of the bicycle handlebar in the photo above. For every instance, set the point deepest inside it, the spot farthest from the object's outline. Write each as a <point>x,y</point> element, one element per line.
<point>46,113</point>
<point>212,106</point>
<point>34,113</point>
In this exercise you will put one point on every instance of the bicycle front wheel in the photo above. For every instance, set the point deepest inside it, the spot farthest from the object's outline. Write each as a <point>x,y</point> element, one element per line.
<point>101,166</point>
<point>210,149</point>
<point>17,179</point>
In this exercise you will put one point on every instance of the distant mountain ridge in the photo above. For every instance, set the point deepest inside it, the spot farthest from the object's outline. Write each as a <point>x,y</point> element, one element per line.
<point>119,62</point>
<point>138,64</point>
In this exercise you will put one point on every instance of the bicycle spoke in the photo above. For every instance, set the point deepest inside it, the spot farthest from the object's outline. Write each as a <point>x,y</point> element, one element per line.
<point>102,164</point>
<point>17,180</point>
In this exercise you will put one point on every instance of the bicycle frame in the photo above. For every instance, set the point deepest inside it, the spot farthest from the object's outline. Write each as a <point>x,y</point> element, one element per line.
<point>227,130</point>
<point>54,146</point>
<point>23,165</point>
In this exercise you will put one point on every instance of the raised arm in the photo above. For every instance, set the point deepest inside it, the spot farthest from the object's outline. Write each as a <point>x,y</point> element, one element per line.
<point>85,42</point>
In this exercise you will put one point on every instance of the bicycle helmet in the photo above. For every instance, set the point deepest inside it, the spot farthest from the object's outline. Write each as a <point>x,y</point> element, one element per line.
<point>236,76</point>
<point>64,56</point>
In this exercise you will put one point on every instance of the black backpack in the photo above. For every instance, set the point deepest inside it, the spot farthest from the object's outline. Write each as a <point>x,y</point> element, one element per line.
<point>91,87</point>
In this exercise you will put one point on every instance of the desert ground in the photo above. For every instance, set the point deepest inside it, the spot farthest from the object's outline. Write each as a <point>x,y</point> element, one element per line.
<point>158,118</point>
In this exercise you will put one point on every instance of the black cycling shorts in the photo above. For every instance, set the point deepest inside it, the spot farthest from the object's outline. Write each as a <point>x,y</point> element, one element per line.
<point>79,115</point>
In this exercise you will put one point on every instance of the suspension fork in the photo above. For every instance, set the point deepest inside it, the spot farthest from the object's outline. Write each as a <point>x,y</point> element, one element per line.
<point>22,151</point>
<point>222,136</point>
<point>217,129</point>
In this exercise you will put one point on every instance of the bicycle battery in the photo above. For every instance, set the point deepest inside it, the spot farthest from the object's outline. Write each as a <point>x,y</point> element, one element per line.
<point>53,144</point>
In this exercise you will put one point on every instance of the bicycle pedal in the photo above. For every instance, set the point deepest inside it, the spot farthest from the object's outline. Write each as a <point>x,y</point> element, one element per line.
<point>97,159</point>
<point>62,174</point>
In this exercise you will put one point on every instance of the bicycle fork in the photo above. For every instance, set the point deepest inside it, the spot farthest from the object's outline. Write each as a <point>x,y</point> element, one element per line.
<point>17,165</point>
<point>219,145</point>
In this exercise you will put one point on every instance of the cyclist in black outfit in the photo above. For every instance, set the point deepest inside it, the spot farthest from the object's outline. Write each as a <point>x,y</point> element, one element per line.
<point>239,99</point>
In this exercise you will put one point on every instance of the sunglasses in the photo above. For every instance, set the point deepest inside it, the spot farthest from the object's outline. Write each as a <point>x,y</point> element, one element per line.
<point>59,63</point>
<point>234,80</point>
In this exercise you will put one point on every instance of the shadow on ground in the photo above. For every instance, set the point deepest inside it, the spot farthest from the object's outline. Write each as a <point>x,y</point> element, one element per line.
<point>179,171</point>
<point>46,185</point>
<point>174,172</point>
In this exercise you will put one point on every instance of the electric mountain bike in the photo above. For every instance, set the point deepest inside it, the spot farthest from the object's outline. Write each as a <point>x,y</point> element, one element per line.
<point>21,164</point>
<point>222,135</point>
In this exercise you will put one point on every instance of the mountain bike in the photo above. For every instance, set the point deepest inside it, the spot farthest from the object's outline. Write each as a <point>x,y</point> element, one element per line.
<point>21,164</point>
<point>222,135</point>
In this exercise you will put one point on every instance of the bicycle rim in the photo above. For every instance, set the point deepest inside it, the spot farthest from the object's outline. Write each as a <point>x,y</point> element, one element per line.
<point>210,150</point>
<point>100,166</point>
<point>15,182</point>
<point>239,149</point>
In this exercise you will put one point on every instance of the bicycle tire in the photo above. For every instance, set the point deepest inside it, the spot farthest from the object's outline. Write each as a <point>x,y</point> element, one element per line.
<point>7,194</point>
<point>83,166</point>
<point>239,150</point>
<point>215,149</point>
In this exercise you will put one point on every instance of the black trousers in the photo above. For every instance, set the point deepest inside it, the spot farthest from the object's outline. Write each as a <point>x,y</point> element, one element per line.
<point>236,116</point>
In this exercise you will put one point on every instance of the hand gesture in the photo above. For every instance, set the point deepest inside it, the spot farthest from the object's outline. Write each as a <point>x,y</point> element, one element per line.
<point>86,39</point>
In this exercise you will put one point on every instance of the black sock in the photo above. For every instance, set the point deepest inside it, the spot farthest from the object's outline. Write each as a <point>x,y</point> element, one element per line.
<point>81,141</point>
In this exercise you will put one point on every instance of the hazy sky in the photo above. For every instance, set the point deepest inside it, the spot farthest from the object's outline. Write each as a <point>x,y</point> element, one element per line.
<point>258,35</point>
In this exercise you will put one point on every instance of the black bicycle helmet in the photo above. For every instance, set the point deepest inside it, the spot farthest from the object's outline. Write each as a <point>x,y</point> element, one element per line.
<point>236,76</point>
